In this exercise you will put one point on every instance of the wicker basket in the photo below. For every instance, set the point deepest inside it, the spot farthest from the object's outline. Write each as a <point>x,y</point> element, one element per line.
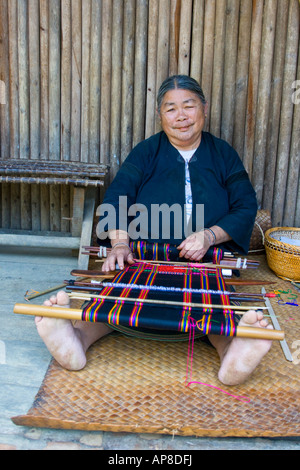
<point>283,258</point>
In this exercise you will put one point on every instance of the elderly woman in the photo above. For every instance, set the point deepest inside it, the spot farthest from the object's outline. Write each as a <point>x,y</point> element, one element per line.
<point>186,166</point>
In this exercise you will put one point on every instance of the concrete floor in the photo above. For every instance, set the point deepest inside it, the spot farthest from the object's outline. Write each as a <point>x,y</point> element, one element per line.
<point>24,360</point>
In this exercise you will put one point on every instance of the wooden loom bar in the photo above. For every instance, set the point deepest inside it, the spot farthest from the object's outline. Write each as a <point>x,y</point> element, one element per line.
<point>76,314</point>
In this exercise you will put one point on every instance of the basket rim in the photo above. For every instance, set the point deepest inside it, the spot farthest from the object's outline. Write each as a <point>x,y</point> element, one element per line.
<point>279,243</point>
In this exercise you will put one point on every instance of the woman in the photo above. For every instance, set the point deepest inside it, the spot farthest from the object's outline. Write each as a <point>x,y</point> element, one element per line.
<point>185,167</point>
<point>168,168</point>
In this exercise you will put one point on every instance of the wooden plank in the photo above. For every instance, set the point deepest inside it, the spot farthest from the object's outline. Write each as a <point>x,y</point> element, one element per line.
<point>95,83</point>
<point>230,64</point>
<point>116,87</point>
<point>76,26</point>
<point>139,95</point>
<point>13,79</point>
<point>264,90</point>
<point>286,115</point>
<point>175,12</point>
<point>66,88</point>
<point>293,177</point>
<point>34,105</point>
<point>24,111</point>
<point>44,64</point>
<point>218,70</point>
<point>208,47</point>
<point>275,103</point>
<point>34,77</point>
<point>54,80</point>
<point>85,89</point>
<point>242,76</point>
<point>184,51</point>
<point>150,114</point>
<point>163,44</point>
<point>87,226</point>
<point>127,78</point>
<point>4,82</point>
<point>78,209</point>
<point>42,241</point>
<point>197,40</point>
<point>253,74</point>
<point>106,49</point>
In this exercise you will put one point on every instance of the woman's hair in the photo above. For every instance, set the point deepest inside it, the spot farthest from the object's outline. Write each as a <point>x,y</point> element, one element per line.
<point>183,82</point>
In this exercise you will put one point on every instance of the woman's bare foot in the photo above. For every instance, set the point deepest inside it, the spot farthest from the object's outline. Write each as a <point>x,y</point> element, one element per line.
<point>240,356</point>
<point>68,342</point>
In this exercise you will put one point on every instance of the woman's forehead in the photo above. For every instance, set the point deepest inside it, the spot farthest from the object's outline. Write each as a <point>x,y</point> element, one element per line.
<point>179,96</point>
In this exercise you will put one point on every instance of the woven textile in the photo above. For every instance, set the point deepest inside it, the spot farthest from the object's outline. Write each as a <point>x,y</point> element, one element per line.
<point>138,386</point>
<point>149,297</point>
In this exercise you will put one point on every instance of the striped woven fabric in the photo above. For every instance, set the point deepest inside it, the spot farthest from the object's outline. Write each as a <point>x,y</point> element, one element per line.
<point>157,297</point>
<point>165,252</point>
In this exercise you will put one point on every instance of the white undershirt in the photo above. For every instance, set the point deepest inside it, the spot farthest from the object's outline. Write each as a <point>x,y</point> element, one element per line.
<point>187,155</point>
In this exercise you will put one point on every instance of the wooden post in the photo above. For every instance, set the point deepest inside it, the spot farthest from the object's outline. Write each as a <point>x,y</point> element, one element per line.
<point>275,103</point>
<point>286,115</point>
<point>264,92</point>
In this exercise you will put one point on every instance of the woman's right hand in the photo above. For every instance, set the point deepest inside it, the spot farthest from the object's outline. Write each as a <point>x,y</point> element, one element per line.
<point>120,254</point>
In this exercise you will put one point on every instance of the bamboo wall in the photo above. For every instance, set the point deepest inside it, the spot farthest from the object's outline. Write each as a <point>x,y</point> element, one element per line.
<point>79,80</point>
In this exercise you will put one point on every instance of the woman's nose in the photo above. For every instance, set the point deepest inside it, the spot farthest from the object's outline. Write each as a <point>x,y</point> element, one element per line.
<point>181,115</point>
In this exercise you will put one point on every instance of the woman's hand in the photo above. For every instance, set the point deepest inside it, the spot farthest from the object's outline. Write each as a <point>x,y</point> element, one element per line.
<point>120,254</point>
<point>196,245</point>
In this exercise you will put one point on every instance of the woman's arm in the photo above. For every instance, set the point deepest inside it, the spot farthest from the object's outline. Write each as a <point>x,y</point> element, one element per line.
<point>196,245</point>
<point>120,252</point>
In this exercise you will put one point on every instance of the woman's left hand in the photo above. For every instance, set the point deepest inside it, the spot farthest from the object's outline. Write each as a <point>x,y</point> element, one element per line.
<point>195,246</point>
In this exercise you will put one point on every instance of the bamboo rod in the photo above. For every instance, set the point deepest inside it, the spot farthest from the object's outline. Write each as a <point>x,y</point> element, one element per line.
<point>87,296</point>
<point>76,314</point>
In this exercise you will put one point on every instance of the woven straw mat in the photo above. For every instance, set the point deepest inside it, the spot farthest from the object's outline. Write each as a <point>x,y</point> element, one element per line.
<point>134,385</point>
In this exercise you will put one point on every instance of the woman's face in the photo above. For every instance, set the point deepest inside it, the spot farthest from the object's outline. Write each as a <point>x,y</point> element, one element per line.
<point>182,118</point>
